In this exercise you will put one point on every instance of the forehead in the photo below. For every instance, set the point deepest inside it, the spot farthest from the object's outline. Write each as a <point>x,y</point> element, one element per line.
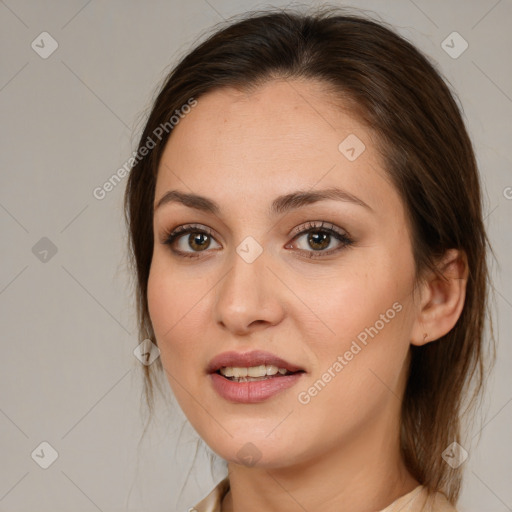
<point>282,136</point>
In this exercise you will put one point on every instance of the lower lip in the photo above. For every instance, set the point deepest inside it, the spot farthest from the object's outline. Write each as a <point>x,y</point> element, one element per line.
<point>252,392</point>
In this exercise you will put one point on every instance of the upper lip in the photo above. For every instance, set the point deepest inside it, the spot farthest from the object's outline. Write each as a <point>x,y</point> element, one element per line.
<point>247,359</point>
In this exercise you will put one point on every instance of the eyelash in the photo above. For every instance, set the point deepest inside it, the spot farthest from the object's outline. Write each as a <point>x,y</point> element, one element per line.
<point>171,236</point>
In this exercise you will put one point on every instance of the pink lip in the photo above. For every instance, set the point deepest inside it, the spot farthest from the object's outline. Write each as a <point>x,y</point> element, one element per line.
<point>252,392</point>
<point>247,359</point>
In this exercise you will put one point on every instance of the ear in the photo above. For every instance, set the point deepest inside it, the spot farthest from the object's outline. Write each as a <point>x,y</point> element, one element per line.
<point>441,299</point>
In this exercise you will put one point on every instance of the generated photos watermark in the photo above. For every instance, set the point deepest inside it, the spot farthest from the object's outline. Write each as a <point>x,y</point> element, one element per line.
<point>101,192</point>
<point>304,397</point>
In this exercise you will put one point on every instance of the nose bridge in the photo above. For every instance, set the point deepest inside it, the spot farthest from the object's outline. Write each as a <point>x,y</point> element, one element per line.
<point>246,294</point>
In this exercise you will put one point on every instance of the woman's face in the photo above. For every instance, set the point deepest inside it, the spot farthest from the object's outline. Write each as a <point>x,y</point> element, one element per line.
<point>270,279</point>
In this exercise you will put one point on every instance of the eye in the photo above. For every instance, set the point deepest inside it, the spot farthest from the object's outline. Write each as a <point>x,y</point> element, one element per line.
<point>198,243</point>
<point>320,238</point>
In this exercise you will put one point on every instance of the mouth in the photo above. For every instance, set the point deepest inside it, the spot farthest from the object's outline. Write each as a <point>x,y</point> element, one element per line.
<point>256,365</point>
<point>252,377</point>
<point>254,373</point>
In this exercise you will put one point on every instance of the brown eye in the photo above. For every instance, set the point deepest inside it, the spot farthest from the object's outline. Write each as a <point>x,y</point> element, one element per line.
<point>319,238</point>
<point>189,240</point>
<point>199,242</point>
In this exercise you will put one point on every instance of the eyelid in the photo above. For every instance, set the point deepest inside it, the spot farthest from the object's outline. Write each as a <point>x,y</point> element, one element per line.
<point>184,229</point>
<point>310,225</point>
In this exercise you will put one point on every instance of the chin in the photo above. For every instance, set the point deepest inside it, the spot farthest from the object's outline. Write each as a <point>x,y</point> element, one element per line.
<point>252,451</point>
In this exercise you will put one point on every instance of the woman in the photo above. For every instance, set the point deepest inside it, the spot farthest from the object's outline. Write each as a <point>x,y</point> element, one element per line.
<point>306,229</point>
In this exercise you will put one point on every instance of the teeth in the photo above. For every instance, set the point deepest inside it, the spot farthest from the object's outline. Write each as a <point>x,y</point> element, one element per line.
<point>253,371</point>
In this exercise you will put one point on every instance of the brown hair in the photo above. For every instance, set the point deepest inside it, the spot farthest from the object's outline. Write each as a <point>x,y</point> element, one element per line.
<point>399,94</point>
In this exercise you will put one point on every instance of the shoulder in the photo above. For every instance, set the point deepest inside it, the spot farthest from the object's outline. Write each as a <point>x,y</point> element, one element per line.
<point>211,503</point>
<point>420,500</point>
<point>440,504</point>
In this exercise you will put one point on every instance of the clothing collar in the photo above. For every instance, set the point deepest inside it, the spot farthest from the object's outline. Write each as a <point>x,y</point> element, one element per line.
<point>413,501</point>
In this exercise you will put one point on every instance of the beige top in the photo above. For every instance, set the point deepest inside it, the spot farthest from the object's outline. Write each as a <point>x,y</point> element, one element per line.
<point>410,502</point>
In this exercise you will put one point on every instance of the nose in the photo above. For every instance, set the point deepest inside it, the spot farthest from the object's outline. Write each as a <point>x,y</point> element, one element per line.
<point>248,297</point>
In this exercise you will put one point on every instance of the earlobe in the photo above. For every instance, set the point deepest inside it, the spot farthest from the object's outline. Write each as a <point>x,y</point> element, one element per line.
<point>442,299</point>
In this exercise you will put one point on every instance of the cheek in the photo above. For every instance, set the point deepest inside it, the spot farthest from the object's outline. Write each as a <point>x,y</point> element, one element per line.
<point>358,370</point>
<point>356,299</point>
<point>365,317</point>
<point>161,300</point>
<point>171,297</point>
<point>166,308</point>
<point>177,307</point>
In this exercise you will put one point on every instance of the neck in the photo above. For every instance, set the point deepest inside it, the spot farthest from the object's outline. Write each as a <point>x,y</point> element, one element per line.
<point>365,473</point>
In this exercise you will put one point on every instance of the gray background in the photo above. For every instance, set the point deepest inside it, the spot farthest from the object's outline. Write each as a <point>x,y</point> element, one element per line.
<point>68,374</point>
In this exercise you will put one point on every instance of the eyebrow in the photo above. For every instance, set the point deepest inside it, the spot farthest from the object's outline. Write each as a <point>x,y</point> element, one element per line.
<point>280,205</point>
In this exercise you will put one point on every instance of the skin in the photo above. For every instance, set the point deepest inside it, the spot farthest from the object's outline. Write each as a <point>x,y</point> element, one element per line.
<point>340,451</point>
